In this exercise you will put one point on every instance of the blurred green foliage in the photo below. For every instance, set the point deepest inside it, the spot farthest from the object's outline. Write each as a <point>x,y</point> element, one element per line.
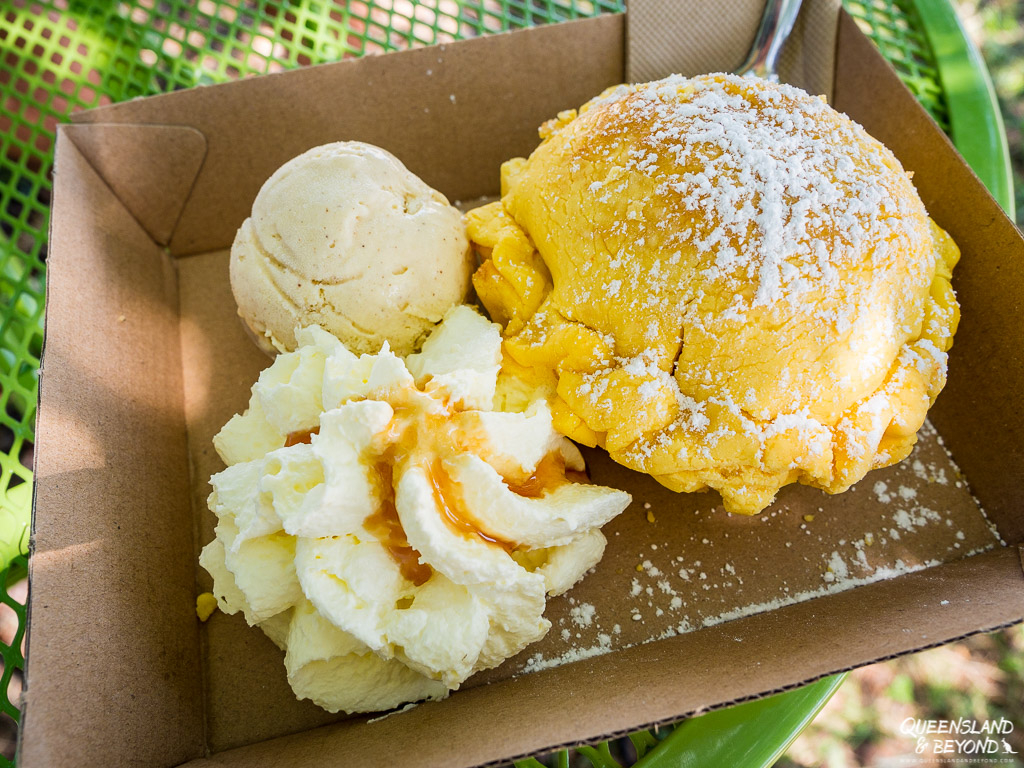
<point>997,28</point>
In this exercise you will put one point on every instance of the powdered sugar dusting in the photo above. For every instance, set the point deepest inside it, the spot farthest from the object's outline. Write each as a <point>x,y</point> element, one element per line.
<point>757,184</point>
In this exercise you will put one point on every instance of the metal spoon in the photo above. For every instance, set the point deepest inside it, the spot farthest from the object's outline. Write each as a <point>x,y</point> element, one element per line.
<point>776,24</point>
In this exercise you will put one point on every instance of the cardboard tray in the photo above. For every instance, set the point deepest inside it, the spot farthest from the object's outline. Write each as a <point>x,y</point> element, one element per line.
<point>145,359</point>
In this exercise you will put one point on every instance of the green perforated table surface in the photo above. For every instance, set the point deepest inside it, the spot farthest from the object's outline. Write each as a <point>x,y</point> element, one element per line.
<point>62,56</point>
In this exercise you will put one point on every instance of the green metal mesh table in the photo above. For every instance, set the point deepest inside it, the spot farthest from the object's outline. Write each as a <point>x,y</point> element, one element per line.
<point>59,56</point>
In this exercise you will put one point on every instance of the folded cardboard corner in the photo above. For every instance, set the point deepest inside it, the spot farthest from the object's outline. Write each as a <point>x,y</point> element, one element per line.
<point>150,168</point>
<point>145,359</point>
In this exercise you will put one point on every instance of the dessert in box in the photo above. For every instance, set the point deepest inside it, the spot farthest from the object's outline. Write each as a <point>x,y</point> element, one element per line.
<point>690,607</point>
<point>394,525</point>
<point>736,286</point>
<point>388,528</point>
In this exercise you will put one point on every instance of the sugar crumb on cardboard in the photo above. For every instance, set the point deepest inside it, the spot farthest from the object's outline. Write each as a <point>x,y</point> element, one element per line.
<point>582,615</point>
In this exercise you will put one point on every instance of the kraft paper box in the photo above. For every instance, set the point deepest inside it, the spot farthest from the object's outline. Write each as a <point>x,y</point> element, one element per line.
<point>690,609</point>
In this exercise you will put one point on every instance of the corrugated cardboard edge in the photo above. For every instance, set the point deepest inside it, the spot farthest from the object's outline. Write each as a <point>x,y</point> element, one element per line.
<point>872,93</point>
<point>151,168</point>
<point>135,671</point>
<point>662,40</point>
<point>979,594</point>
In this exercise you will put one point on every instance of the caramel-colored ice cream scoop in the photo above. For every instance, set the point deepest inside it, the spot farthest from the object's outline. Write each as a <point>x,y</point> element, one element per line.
<point>345,237</point>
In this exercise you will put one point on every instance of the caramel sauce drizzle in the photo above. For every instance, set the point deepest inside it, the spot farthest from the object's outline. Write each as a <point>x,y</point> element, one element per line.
<point>407,434</point>
<point>454,512</point>
<point>386,526</point>
<point>302,436</point>
<point>549,475</point>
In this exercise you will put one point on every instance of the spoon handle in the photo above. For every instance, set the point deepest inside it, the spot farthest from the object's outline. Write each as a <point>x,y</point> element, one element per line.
<point>776,24</point>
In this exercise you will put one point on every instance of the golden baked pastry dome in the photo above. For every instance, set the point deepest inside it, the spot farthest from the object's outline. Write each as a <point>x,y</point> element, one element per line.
<point>724,282</point>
